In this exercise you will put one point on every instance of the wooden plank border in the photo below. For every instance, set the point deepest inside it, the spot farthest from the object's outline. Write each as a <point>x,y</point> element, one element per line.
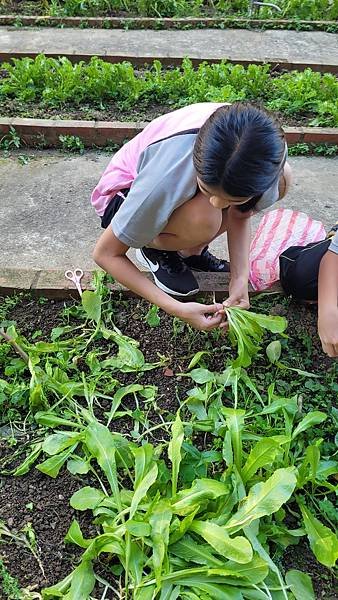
<point>52,283</point>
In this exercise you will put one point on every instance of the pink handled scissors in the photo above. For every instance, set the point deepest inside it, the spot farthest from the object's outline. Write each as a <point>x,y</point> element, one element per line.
<point>75,276</point>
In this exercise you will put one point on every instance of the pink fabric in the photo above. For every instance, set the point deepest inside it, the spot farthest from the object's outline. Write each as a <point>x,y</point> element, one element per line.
<point>278,230</point>
<point>121,171</point>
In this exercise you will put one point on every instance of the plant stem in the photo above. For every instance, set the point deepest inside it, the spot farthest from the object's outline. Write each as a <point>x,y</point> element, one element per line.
<point>16,347</point>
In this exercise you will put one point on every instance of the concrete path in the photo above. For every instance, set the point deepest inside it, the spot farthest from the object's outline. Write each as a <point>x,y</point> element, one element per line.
<point>47,221</point>
<point>287,48</point>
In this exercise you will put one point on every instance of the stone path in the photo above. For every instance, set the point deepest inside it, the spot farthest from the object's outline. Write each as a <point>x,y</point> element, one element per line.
<point>286,48</point>
<point>47,221</point>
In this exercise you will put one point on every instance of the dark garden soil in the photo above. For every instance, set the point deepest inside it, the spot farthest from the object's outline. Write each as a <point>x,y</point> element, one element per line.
<point>44,502</point>
<point>111,112</point>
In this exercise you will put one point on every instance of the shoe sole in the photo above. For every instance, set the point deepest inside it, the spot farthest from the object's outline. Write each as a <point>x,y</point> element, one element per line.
<point>145,263</point>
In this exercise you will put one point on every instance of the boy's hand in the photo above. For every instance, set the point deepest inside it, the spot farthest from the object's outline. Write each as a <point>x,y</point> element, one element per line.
<point>238,294</point>
<point>202,316</point>
<point>328,331</point>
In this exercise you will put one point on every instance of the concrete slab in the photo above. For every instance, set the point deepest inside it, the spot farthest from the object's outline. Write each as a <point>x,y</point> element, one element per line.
<point>292,48</point>
<point>47,221</point>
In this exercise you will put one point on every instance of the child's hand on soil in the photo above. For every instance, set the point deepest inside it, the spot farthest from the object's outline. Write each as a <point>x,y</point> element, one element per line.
<point>202,316</point>
<point>328,331</point>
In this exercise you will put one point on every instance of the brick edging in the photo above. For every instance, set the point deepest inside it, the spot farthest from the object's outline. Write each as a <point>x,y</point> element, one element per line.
<point>52,283</point>
<point>46,132</point>
<point>154,22</point>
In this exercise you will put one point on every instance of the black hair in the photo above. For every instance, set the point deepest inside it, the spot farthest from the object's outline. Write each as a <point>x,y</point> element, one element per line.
<point>240,149</point>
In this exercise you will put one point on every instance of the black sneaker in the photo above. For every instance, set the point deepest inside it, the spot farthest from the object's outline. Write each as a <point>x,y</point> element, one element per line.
<point>207,262</point>
<point>332,231</point>
<point>169,270</point>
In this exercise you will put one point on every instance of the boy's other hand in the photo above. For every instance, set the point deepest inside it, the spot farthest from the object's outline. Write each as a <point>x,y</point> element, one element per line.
<point>328,331</point>
<point>202,316</point>
<point>238,294</point>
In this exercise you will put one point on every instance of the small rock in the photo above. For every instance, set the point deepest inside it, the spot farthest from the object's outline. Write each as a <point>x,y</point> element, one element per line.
<point>168,372</point>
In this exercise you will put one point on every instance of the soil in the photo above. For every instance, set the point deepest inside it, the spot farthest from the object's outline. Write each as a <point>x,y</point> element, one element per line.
<point>50,513</point>
<point>111,112</point>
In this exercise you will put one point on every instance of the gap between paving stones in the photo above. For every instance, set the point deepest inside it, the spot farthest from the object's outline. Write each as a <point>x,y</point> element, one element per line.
<point>99,133</point>
<point>165,22</point>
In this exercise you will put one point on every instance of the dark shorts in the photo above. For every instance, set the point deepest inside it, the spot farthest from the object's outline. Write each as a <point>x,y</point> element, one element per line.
<point>112,208</point>
<point>299,269</point>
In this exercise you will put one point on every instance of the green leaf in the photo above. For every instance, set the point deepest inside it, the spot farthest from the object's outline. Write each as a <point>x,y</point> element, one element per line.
<point>119,395</point>
<point>101,445</point>
<point>146,471</point>
<point>273,351</point>
<point>57,442</point>
<point>138,528</point>
<point>152,317</point>
<point>50,419</point>
<point>190,550</point>
<point>29,460</point>
<point>201,375</point>
<point>237,549</point>
<point>159,521</point>
<point>312,418</point>
<point>254,571</point>
<point>52,465</point>
<point>262,454</point>
<point>83,581</point>
<point>323,542</point>
<point>91,302</point>
<point>86,498</point>
<point>186,501</point>
<point>196,359</point>
<point>174,450</point>
<point>300,584</point>
<point>74,536</point>
<point>78,466</point>
<point>264,498</point>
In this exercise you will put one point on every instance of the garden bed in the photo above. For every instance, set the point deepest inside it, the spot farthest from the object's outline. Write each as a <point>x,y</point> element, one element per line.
<point>171,8</point>
<point>46,87</point>
<point>43,501</point>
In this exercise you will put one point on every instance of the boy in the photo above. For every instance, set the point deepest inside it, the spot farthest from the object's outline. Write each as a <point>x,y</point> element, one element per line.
<point>188,177</point>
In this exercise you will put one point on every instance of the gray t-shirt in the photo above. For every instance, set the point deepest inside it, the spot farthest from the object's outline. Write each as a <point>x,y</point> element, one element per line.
<point>166,179</point>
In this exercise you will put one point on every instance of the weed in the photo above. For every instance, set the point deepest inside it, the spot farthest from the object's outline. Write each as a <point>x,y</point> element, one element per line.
<point>9,584</point>
<point>71,143</point>
<point>11,140</point>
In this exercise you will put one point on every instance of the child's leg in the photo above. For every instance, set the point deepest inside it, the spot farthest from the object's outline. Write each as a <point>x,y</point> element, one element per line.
<point>299,269</point>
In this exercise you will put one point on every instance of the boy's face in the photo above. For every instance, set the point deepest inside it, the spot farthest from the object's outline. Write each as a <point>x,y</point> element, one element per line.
<point>219,198</point>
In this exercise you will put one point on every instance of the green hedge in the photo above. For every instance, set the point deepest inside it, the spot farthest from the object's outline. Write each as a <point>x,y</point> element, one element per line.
<point>59,83</point>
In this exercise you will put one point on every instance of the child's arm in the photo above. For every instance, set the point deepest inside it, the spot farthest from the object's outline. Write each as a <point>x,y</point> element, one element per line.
<point>110,255</point>
<point>238,231</point>
<point>328,303</point>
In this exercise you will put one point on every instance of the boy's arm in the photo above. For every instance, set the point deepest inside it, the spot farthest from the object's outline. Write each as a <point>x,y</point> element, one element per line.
<point>238,231</point>
<point>328,303</point>
<point>110,255</point>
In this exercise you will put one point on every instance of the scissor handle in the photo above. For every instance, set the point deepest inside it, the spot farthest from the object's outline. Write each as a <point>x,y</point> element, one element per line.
<point>69,275</point>
<point>74,275</point>
<point>78,273</point>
